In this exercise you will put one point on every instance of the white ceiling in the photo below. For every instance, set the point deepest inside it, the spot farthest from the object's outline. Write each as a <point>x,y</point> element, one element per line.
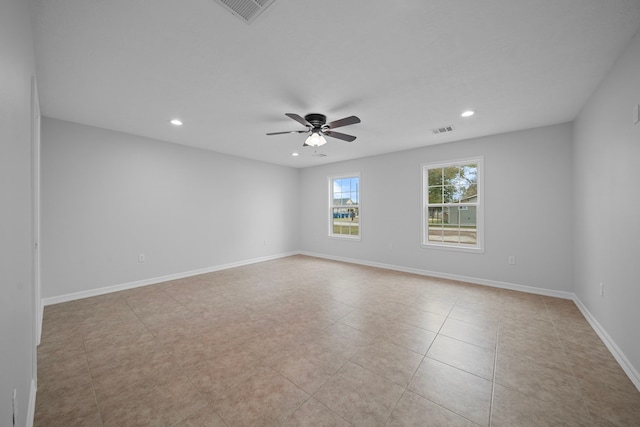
<point>403,66</point>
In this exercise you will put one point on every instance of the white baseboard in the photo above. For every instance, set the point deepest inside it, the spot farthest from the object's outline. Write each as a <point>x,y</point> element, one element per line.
<point>155,280</point>
<point>31,409</point>
<point>622,360</point>
<point>474,280</point>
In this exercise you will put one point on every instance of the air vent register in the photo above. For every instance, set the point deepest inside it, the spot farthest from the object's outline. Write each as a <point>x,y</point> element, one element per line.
<point>247,10</point>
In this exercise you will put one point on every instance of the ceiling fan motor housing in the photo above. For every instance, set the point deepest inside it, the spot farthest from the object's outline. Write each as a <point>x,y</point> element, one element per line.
<point>317,120</point>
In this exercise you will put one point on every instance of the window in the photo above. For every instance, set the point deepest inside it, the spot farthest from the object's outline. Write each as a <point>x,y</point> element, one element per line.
<point>452,205</point>
<point>344,210</point>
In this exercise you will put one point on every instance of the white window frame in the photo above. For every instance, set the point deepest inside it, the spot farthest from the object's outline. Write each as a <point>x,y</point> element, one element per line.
<point>460,247</point>
<point>330,180</point>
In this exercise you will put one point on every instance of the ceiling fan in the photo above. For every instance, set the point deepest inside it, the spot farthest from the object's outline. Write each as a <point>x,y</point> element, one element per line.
<point>318,128</point>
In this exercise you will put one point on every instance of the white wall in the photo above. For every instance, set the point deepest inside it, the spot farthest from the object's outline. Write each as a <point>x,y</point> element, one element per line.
<point>607,205</point>
<point>17,314</point>
<point>109,196</point>
<point>528,210</point>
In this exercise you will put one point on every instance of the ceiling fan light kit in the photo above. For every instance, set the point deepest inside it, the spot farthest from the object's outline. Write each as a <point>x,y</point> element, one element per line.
<point>315,140</point>
<point>318,128</point>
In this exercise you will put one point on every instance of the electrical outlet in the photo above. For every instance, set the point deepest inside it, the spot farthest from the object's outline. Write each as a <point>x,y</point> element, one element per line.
<point>511,260</point>
<point>141,258</point>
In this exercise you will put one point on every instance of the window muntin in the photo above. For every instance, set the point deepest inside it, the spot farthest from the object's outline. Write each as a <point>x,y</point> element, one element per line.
<point>452,209</point>
<point>344,201</point>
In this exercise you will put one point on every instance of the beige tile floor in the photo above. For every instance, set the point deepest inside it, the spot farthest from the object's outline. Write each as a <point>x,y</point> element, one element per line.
<point>302,341</point>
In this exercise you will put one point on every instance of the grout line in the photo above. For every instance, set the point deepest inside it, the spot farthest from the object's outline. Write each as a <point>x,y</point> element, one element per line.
<point>495,370</point>
<point>386,421</point>
<point>93,386</point>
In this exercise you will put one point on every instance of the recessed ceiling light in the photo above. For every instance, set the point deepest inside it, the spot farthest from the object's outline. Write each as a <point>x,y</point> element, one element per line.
<point>468,113</point>
<point>176,122</point>
<point>295,154</point>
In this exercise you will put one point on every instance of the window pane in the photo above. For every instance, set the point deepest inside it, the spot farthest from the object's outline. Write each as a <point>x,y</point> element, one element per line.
<point>435,194</point>
<point>468,235</point>
<point>467,215</point>
<point>467,182</point>
<point>435,177</point>
<point>470,193</point>
<point>435,233</point>
<point>450,175</point>
<point>468,226</point>
<point>450,215</point>
<point>345,185</point>
<point>469,172</point>
<point>435,216</point>
<point>449,194</point>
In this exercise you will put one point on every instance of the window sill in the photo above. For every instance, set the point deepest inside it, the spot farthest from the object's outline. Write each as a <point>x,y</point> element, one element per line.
<point>338,237</point>
<point>475,250</point>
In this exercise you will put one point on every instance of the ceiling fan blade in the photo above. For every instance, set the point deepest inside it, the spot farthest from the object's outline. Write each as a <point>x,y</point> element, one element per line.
<point>298,119</point>
<point>342,136</point>
<point>351,120</point>
<point>289,131</point>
